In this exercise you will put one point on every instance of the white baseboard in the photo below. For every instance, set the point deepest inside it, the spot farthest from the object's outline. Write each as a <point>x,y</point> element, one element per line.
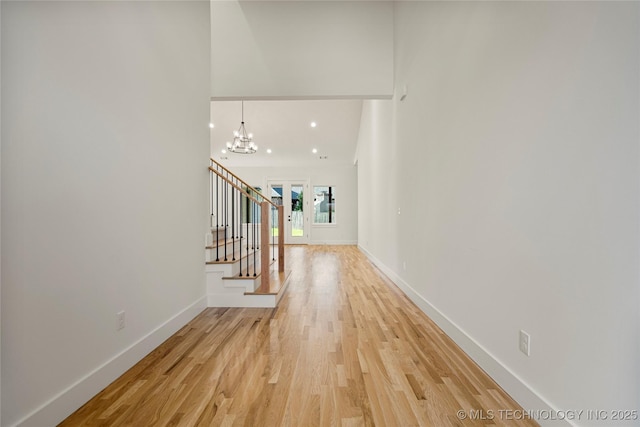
<point>510,382</point>
<point>334,242</point>
<point>69,400</point>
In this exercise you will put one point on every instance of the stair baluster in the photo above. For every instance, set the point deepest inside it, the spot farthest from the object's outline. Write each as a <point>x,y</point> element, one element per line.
<point>247,218</point>
<point>217,218</point>
<point>240,244</point>
<point>226,217</point>
<point>255,225</point>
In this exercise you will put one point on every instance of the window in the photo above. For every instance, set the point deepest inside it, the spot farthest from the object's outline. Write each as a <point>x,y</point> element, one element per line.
<point>324,205</point>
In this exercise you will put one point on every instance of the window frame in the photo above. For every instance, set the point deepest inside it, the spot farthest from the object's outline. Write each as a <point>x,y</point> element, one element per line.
<point>334,212</point>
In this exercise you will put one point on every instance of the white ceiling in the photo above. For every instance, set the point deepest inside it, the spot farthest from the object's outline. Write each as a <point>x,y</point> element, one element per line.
<point>285,128</point>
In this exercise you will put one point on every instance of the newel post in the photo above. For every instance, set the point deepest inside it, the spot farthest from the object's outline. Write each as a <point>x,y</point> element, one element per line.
<point>280,238</point>
<point>265,263</point>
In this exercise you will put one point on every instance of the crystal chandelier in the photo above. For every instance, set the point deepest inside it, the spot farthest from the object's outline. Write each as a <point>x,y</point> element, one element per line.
<point>242,141</point>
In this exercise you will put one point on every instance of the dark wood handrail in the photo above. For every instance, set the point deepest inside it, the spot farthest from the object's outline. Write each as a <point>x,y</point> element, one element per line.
<point>266,199</point>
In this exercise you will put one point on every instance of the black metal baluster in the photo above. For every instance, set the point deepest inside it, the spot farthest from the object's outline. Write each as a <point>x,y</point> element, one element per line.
<point>253,221</point>
<point>256,242</point>
<point>225,211</point>
<point>238,214</point>
<point>211,192</point>
<point>241,243</point>
<point>255,225</point>
<point>250,239</point>
<point>233,224</point>
<point>248,231</point>
<point>217,217</point>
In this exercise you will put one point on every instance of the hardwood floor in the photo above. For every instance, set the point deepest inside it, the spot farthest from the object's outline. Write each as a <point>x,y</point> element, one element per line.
<point>345,348</point>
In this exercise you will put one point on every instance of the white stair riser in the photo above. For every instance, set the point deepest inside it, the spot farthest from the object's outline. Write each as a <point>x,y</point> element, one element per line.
<point>248,285</point>
<point>216,283</point>
<point>233,268</point>
<point>235,297</point>
<point>216,274</point>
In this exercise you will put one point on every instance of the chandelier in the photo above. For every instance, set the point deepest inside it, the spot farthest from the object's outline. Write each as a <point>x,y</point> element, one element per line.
<point>242,141</point>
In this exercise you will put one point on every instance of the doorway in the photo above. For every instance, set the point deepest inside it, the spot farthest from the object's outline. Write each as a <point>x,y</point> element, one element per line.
<point>291,195</point>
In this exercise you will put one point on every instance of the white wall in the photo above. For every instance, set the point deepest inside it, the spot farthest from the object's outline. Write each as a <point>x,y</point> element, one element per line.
<point>344,178</point>
<point>378,218</point>
<point>105,147</point>
<point>0,219</point>
<point>516,154</point>
<point>309,49</point>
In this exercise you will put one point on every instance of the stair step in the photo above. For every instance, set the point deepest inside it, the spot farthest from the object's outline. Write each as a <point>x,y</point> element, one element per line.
<point>221,242</point>
<point>249,282</point>
<point>278,282</point>
<point>246,275</point>
<point>230,257</point>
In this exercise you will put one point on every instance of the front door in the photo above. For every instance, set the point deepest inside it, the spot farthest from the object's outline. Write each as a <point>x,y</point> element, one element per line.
<point>291,195</point>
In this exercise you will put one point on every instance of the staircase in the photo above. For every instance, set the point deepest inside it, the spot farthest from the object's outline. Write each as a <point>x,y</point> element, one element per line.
<point>244,253</point>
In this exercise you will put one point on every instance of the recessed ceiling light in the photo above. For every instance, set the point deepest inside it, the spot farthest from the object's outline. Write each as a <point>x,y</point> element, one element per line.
<point>314,151</point>
<point>211,126</point>
<point>313,124</point>
<point>223,151</point>
<point>268,150</point>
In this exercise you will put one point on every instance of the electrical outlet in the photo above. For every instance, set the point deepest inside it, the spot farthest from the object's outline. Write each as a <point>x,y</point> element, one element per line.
<point>120,320</point>
<point>525,343</point>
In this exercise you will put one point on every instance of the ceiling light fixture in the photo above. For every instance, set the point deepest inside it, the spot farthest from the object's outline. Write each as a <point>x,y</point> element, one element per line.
<point>269,151</point>
<point>313,124</point>
<point>242,141</point>
<point>314,151</point>
<point>211,126</point>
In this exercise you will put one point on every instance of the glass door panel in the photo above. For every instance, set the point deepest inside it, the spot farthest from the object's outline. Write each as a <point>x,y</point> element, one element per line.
<point>290,194</point>
<point>297,211</point>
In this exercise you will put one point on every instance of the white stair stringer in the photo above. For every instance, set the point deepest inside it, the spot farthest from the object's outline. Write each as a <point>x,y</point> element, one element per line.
<point>223,296</point>
<point>240,300</point>
<point>226,289</point>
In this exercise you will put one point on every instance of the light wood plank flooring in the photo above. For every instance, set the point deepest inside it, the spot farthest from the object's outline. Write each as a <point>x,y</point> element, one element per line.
<point>344,348</point>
